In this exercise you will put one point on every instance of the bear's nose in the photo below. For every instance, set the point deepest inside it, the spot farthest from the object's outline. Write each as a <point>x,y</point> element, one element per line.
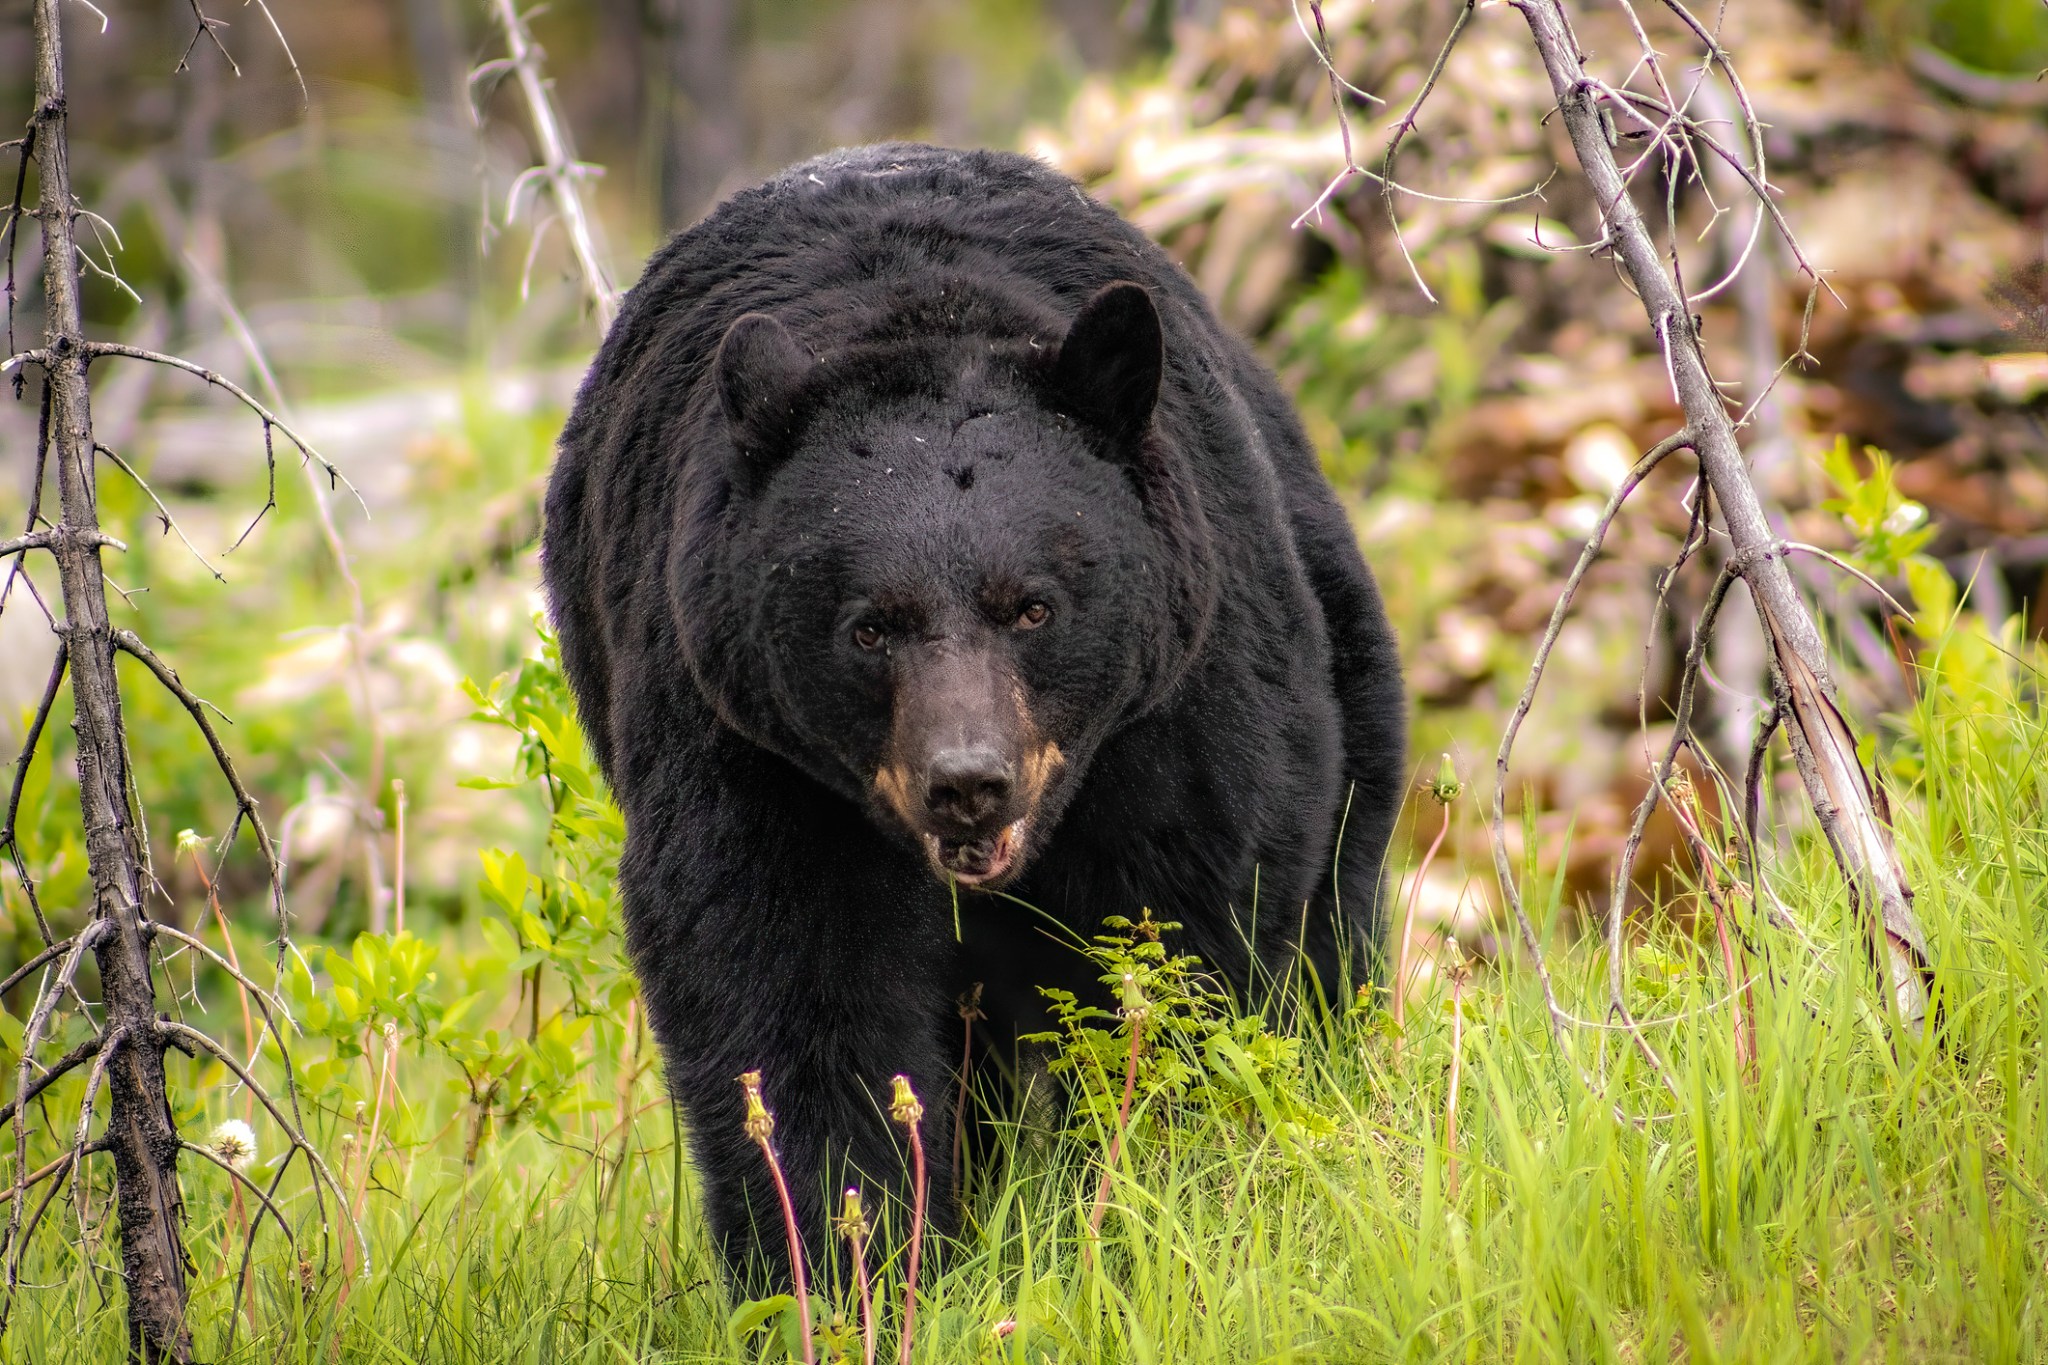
<point>968,786</point>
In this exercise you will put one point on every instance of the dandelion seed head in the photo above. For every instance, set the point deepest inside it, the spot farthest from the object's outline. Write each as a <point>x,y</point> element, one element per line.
<point>235,1143</point>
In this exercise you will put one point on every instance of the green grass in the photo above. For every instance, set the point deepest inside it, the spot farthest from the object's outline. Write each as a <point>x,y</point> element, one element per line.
<point>1861,1196</point>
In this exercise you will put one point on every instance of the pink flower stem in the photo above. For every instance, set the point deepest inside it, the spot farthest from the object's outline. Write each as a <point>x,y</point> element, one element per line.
<point>867,1306</point>
<point>1123,1118</point>
<point>1451,1099</point>
<point>916,1238</point>
<point>1408,932</point>
<point>796,1251</point>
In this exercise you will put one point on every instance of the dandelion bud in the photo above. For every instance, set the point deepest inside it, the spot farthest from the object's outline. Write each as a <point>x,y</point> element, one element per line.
<point>759,1123</point>
<point>904,1107</point>
<point>1446,787</point>
<point>1136,1006</point>
<point>1455,964</point>
<point>852,1223</point>
<point>234,1143</point>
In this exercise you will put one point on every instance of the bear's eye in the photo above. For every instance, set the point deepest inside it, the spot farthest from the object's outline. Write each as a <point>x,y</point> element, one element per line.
<point>868,636</point>
<point>1034,615</point>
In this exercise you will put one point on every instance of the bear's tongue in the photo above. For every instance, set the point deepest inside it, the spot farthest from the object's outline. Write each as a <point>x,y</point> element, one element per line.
<point>973,861</point>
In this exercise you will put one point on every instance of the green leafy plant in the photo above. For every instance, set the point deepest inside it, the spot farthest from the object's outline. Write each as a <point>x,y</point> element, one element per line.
<point>1889,527</point>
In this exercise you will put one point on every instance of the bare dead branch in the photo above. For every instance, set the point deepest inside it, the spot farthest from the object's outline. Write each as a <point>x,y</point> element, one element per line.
<point>558,164</point>
<point>261,1196</point>
<point>1405,125</point>
<point>1560,1019</point>
<point>1848,806</point>
<point>245,805</point>
<point>264,999</point>
<point>52,538</point>
<point>271,421</point>
<point>56,1168</point>
<point>29,968</point>
<point>205,29</point>
<point>1756,183</point>
<point>129,1056</point>
<point>191,1042</point>
<point>367,815</point>
<point>21,765</point>
<point>64,1065</point>
<point>163,513</point>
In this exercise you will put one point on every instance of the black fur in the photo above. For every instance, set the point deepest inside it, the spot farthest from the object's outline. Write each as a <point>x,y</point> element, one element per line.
<point>844,431</point>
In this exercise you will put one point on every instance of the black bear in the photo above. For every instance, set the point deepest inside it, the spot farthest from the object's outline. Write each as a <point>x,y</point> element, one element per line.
<point>920,535</point>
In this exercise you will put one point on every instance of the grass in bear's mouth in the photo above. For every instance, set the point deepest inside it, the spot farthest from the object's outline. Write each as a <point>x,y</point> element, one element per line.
<point>1287,1198</point>
<point>974,862</point>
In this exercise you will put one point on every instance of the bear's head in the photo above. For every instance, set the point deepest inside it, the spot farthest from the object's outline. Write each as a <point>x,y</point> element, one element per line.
<point>941,565</point>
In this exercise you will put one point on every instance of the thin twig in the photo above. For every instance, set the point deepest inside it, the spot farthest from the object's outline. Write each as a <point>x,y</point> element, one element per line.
<point>1847,803</point>
<point>159,929</point>
<point>82,1134</point>
<point>363,808</point>
<point>1510,887</point>
<point>57,1167</point>
<point>217,1159</point>
<point>205,29</point>
<point>29,742</point>
<point>163,512</point>
<point>21,973</point>
<point>558,164</point>
<point>270,419</point>
<point>190,1040</point>
<point>69,1062</point>
<point>245,805</point>
<point>305,96</point>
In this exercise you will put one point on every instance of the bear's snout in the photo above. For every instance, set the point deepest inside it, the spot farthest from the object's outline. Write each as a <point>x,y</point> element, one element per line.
<point>965,767</point>
<point>968,788</point>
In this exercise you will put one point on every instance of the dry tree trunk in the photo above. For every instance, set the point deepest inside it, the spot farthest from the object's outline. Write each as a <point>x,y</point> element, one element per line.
<point>139,1130</point>
<point>1850,809</point>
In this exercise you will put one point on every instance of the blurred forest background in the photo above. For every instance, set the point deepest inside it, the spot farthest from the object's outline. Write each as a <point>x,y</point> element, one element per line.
<point>332,226</point>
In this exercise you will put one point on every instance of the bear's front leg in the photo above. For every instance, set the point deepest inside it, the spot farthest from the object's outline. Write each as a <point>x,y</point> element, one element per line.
<point>831,1131</point>
<point>823,963</point>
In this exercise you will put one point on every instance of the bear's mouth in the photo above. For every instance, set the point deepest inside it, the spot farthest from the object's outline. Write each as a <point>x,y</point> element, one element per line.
<point>977,861</point>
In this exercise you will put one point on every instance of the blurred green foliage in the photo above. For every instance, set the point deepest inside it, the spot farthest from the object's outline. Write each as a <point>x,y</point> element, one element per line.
<point>1996,35</point>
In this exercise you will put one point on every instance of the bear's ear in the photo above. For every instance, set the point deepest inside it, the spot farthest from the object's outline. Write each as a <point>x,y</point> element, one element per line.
<point>760,367</point>
<point>1109,366</point>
